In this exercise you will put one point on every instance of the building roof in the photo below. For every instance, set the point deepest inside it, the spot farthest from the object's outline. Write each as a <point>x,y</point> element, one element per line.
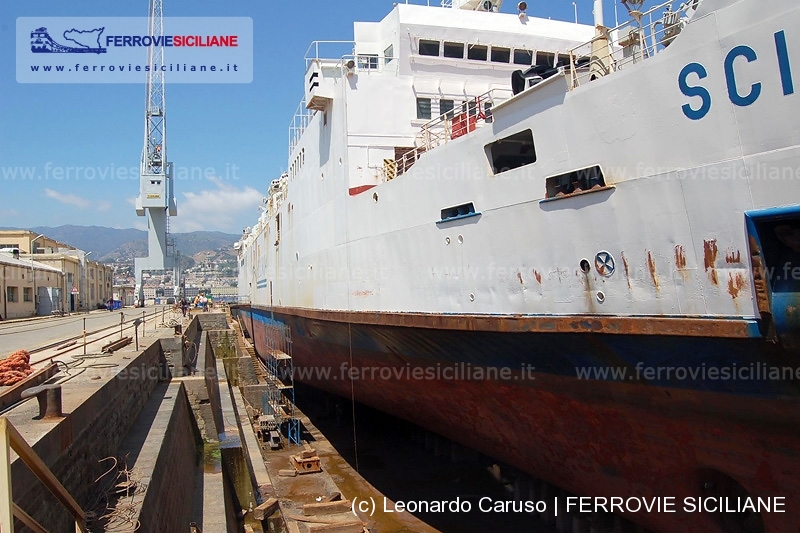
<point>10,260</point>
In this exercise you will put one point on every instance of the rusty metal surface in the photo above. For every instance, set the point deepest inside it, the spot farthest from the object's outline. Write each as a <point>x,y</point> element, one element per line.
<point>11,395</point>
<point>613,325</point>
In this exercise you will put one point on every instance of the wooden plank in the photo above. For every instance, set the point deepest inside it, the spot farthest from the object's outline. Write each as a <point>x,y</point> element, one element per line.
<point>40,470</point>
<point>13,394</point>
<point>312,509</point>
<point>6,497</point>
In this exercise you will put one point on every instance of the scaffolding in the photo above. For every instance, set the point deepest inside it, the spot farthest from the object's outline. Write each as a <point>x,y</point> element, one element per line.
<point>278,401</point>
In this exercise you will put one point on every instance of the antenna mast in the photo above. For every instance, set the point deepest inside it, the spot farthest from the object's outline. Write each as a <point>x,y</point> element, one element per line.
<point>156,200</point>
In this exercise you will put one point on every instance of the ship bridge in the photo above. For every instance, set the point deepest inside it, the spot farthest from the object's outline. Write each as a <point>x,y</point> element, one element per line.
<point>432,75</point>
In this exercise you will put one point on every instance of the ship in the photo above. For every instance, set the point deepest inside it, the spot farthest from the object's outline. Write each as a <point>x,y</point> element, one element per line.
<point>574,248</point>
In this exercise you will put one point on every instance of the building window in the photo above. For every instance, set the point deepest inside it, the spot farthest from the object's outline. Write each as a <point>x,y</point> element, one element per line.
<point>455,50</point>
<point>91,292</point>
<point>446,106</point>
<point>501,55</point>
<point>429,48</point>
<point>388,54</point>
<point>523,57</point>
<point>477,52</point>
<point>91,274</point>
<point>512,152</point>
<point>423,108</point>
<point>69,277</point>
<point>12,294</point>
<point>27,294</point>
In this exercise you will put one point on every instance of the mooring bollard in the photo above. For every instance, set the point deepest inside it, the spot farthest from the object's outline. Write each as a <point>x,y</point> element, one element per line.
<point>49,397</point>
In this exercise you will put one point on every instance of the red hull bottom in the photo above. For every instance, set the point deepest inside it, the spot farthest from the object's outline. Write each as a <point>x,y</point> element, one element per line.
<point>591,438</point>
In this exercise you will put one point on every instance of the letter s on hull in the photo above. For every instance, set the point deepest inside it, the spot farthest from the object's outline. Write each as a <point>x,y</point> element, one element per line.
<point>692,91</point>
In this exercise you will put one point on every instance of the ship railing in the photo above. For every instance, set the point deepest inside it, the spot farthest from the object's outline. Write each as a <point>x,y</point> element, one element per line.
<point>640,38</point>
<point>460,121</point>
<point>451,125</point>
<point>328,50</point>
<point>300,121</point>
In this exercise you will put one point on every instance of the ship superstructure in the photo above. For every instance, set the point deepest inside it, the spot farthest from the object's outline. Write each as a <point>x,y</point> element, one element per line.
<point>613,210</point>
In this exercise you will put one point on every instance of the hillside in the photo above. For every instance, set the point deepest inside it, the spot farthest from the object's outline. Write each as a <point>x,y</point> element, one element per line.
<point>109,244</point>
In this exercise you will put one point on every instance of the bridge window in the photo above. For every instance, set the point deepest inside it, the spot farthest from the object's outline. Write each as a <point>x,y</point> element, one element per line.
<point>455,50</point>
<point>388,54</point>
<point>523,57</point>
<point>545,59</point>
<point>429,48</point>
<point>477,52</point>
<point>446,106</point>
<point>512,152</point>
<point>423,108</point>
<point>563,60</point>
<point>368,61</point>
<point>501,55</point>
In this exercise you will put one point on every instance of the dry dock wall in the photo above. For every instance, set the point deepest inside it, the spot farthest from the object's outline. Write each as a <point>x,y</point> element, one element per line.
<point>163,449</point>
<point>91,430</point>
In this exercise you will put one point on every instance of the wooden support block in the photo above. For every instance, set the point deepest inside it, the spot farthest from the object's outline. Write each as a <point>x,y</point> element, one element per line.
<point>312,509</point>
<point>287,473</point>
<point>266,509</point>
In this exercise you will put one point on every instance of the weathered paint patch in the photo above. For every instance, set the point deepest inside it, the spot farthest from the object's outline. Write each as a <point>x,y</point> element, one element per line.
<point>651,266</point>
<point>710,252</point>
<point>735,284</point>
<point>363,293</point>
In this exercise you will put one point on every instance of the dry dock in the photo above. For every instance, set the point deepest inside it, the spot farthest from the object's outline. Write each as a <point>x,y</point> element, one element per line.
<point>166,438</point>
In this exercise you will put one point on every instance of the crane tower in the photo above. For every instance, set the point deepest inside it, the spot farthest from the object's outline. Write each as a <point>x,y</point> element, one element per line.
<point>156,200</point>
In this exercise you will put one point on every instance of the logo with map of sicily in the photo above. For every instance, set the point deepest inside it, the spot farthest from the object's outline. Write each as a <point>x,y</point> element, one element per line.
<point>80,42</point>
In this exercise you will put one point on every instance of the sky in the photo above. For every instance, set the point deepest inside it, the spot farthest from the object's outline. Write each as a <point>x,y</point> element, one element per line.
<point>239,131</point>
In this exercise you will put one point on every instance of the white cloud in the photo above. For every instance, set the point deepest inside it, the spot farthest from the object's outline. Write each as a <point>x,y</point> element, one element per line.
<point>104,206</point>
<point>214,209</point>
<point>69,199</point>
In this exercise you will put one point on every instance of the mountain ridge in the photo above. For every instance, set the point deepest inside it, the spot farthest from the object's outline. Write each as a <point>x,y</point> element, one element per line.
<point>112,244</point>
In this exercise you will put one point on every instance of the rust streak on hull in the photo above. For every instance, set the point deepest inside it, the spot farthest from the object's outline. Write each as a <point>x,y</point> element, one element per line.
<point>710,259</point>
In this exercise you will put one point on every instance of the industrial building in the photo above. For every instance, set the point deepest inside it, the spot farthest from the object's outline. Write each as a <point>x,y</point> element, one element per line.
<point>84,284</point>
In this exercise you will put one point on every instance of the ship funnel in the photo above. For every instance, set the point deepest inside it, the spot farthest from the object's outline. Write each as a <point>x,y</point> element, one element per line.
<point>478,5</point>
